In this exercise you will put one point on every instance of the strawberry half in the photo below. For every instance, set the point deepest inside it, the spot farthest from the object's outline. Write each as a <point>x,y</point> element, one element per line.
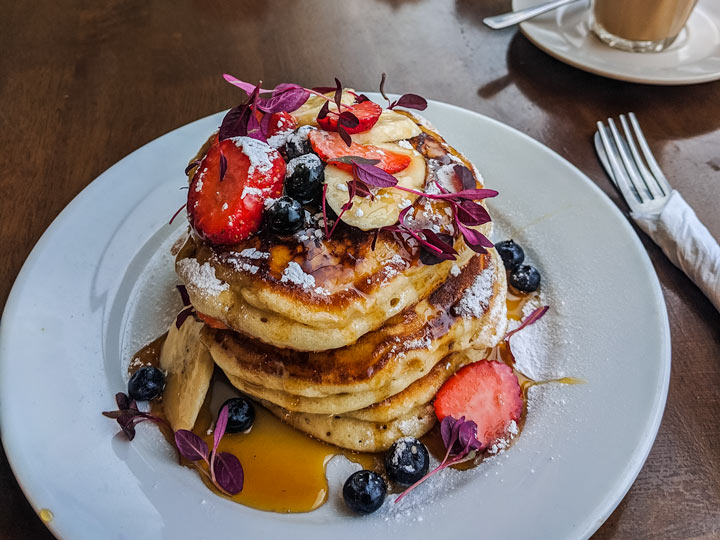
<point>486,392</point>
<point>367,113</point>
<point>279,122</point>
<point>330,146</point>
<point>228,210</point>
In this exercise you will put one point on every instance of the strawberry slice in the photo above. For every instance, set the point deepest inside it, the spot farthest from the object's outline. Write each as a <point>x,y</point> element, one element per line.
<point>211,321</point>
<point>330,146</point>
<point>486,392</point>
<point>229,210</point>
<point>367,112</point>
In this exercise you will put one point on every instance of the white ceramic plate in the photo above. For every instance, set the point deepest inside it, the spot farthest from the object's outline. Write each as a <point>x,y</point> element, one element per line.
<point>693,58</point>
<point>100,282</point>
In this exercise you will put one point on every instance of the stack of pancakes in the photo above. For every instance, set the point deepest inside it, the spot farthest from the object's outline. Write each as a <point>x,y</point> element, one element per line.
<point>349,338</point>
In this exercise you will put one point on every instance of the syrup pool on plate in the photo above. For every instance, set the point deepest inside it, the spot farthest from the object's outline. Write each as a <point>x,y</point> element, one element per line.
<point>284,469</point>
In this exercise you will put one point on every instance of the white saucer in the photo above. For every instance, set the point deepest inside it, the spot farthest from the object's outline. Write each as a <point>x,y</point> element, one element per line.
<point>693,58</point>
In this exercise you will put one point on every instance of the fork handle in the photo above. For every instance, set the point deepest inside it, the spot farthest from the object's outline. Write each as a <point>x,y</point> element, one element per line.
<point>687,243</point>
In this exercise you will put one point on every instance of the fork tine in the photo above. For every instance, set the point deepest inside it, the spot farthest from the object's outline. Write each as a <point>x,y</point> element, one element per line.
<point>621,177</point>
<point>654,167</point>
<point>648,179</point>
<point>632,172</point>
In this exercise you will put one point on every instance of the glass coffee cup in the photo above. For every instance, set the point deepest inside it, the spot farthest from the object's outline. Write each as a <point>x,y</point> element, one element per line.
<point>640,25</point>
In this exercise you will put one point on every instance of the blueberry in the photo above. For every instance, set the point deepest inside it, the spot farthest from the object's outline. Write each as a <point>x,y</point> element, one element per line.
<point>525,278</point>
<point>298,144</point>
<point>364,492</point>
<point>407,461</point>
<point>304,178</point>
<point>511,254</point>
<point>241,415</point>
<point>146,383</point>
<point>285,216</point>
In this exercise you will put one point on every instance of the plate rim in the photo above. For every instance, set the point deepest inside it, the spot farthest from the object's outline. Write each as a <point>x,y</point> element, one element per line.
<point>625,478</point>
<point>526,30</point>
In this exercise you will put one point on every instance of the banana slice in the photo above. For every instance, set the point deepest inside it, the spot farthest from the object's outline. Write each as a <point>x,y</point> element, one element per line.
<point>307,114</point>
<point>189,368</point>
<point>369,214</point>
<point>391,126</point>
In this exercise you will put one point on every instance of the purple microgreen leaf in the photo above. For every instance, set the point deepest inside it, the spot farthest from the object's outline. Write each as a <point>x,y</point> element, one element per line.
<point>372,175</point>
<point>323,89</point>
<point>176,214</point>
<point>254,130</point>
<point>229,474</point>
<point>344,135</point>
<point>361,189</point>
<point>223,166</point>
<point>470,213</point>
<point>324,110</point>
<point>437,248</point>
<point>122,400</point>
<point>338,94</point>
<point>466,177</point>
<point>190,445</point>
<point>467,437</point>
<point>220,426</point>
<point>191,166</point>
<point>128,430</point>
<point>474,239</point>
<point>411,101</point>
<point>247,87</point>
<point>446,431</point>
<point>382,87</point>
<point>534,317</point>
<point>184,314</point>
<point>360,98</point>
<point>348,160</point>
<point>183,294</point>
<point>324,209</point>
<point>113,414</point>
<point>469,194</point>
<point>285,98</point>
<point>348,120</point>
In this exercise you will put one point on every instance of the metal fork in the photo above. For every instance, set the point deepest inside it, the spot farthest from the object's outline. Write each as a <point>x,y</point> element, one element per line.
<point>659,210</point>
<point>641,182</point>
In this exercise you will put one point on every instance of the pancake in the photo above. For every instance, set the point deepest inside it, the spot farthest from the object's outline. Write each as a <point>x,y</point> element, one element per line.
<point>375,428</point>
<point>467,311</point>
<point>359,435</point>
<point>310,293</point>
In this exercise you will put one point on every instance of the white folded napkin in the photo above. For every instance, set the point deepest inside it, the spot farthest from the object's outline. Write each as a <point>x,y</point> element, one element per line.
<point>686,242</point>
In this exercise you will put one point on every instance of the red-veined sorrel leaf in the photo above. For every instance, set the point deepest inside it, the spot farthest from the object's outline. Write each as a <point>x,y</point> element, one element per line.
<point>190,445</point>
<point>411,101</point>
<point>229,473</point>
<point>183,294</point>
<point>372,175</point>
<point>534,317</point>
<point>220,426</point>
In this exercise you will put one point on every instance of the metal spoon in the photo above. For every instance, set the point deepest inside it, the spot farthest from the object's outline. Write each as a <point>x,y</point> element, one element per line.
<point>514,17</point>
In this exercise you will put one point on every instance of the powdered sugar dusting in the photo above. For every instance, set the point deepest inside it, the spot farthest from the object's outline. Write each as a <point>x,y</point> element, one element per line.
<point>201,277</point>
<point>257,152</point>
<point>476,299</point>
<point>308,160</point>
<point>252,253</point>
<point>293,273</point>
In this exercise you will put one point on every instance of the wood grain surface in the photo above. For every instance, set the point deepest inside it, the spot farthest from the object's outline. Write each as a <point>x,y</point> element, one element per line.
<point>84,83</point>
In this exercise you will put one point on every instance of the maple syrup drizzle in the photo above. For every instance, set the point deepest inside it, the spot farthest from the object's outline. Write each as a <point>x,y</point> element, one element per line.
<point>284,469</point>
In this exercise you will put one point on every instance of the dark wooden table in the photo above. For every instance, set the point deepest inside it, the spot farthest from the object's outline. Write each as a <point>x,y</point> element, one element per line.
<point>82,84</point>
